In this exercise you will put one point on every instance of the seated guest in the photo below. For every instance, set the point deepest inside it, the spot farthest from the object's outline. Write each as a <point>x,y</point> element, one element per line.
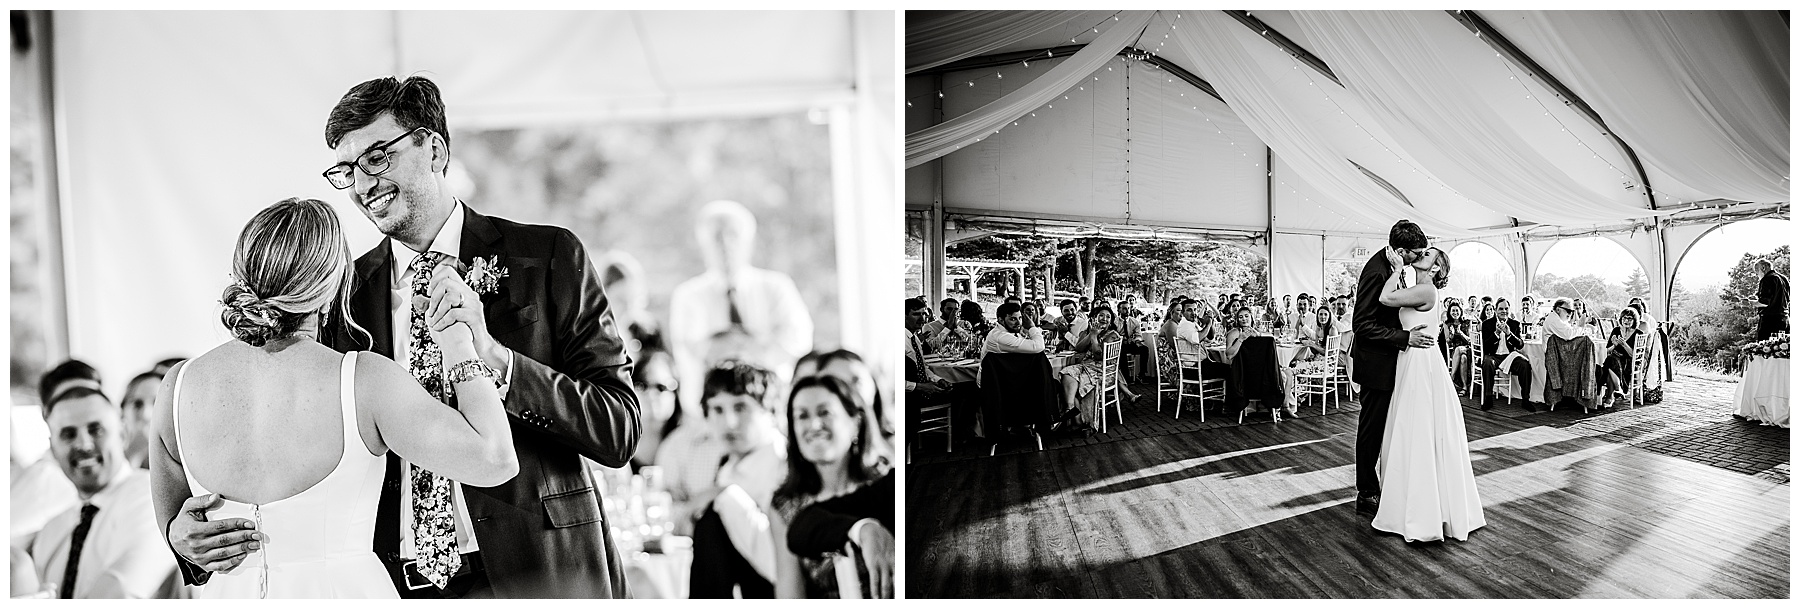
<point>1075,322</point>
<point>653,380</point>
<point>923,387</point>
<point>1171,325</point>
<point>1501,341</point>
<point>109,546</point>
<point>1080,379</point>
<point>1453,342</point>
<point>734,553</point>
<point>1315,335</point>
<point>1560,321</point>
<point>976,318</point>
<point>947,328</point>
<point>864,518</point>
<point>1646,323</point>
<point>1132,329</point>
<point>40,491</point>
<point>1528,314</point>
<point>1340,322</point>
<point>1011,336</point>
<point>1244,327</point>
<point>1030,312</point>
<point>140,395</point>
<point>689,455</point>
<point>1615,372</point>
<point>849,367</point>
<point>840,450</point>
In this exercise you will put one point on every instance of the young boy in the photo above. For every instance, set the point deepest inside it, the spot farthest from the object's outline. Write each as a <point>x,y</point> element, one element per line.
<point>732,545</point>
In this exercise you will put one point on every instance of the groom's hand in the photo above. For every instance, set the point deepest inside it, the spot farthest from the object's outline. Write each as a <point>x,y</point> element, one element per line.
<point>452,300</point>
<point>219,546</point>
<point>1393,258</point>
<point>1419,338</point>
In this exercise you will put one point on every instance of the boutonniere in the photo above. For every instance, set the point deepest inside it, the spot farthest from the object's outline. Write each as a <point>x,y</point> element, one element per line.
<point>485,274</point>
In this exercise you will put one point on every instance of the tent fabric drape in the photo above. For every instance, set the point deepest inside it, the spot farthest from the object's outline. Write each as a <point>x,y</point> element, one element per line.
<point>941,139</point>
<point>1232,59</point>
<point>1422,75</point>
<point>966,34</point>
<point>1296,264</point>
<point>1702,95</point>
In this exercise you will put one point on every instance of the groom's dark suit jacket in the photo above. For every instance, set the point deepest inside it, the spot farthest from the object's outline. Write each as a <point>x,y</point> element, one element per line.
<point>542,533</point>
<point>1379,337</point>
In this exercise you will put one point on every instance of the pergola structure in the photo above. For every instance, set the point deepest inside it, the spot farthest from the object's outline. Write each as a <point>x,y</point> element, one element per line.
<point>1302,135</point>
<point>971,270</point>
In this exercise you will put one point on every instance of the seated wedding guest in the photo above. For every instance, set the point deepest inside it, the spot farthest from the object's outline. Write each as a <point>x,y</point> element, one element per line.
<point>653,379</point>
<point>849,367</point>
<point>1244,327</point>
<point>108,546</point>
<point>1453,342</point>
<point>40,491</point>
<point>1129,307</point>
<point>1501,341</point>
<point>938,331</point>
<point>1171,324</point>
<point>1528,311</point>
<point>1030,313</point>
<point>733,310</point>
<point>977,320</point>
<point>1560,321</point>
<point>1272,318</point>
<point>1132,329</point>
<point>1487,313</point>
<point>1615,374</point>
<point>689,456</point>
<point>1080,379</point>
<point>1191,328</point>
<point>1011,336</point>
<point>1074,322</point>
<point>140,396</point>
<point>734,553</point>
<point>1315,334</point>
<point>923,387</point>
<point>864,518</point>
<point>834,448</point>
<point>1340,311</point>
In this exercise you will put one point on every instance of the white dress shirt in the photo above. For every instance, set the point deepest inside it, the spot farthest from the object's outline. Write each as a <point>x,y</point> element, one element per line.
<point>1556,325</point>
<point>770,308</point>
<point>124,555</point>
<point>1188,330</point>
<point>999,340</point>
<point>449,243</point>
<point>690,457</point>
<point>743,506</point>
<point>40,492</point>
<point>912,353</point>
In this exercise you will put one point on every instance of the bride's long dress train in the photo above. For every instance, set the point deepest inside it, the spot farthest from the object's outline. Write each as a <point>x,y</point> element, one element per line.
<point>1427,484</point>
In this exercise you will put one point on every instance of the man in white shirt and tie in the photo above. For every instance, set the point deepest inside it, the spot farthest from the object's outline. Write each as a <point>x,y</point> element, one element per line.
<point>923,387</point>
<point>109,545</point>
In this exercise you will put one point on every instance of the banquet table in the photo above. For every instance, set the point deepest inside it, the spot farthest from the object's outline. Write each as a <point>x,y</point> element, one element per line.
<point>1762,395</point>
<point>1534,353</point>
<point>969,370</point>
<point>661,574</point>
<point>1285,352</point>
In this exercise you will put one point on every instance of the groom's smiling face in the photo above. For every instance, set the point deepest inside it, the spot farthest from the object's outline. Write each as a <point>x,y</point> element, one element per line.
<point>400,201</point>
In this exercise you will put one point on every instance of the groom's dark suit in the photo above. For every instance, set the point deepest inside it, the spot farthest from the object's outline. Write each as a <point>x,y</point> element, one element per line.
<point>1379,339</point>
<point>542,533</point>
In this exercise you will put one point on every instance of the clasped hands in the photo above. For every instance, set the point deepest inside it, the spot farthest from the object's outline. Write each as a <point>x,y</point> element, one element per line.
<point>450,300</point>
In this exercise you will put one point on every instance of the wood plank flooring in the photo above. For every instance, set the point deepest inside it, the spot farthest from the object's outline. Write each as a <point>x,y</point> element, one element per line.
<point>1266,511</point>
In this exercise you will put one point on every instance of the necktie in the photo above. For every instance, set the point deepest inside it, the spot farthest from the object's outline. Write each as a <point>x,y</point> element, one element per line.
<point>737,319</point>
<point>918,367</point>
<point>75,542</point>
<point>433,528</point>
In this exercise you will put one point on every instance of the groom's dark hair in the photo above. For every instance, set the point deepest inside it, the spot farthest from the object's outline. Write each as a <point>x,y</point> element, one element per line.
<point>414,102</point>
<point>1407,235</point>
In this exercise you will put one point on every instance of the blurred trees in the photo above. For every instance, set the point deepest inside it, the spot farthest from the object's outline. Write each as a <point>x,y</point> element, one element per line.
<point>1712,329</point>
<point>1109,268</point>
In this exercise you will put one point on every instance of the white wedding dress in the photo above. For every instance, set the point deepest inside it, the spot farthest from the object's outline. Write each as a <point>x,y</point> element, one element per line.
<point>319,540</point>
<point>1427,485</point>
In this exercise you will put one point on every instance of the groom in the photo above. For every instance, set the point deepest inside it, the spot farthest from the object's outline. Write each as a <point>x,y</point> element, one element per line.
<point>1379,339</point>
<point>544,325</point>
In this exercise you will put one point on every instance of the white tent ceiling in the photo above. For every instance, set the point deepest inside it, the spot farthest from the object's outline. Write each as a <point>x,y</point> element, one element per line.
<point>1465,139</point>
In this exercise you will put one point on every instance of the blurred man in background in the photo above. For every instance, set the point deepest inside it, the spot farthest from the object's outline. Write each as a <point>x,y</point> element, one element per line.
<point>733,310</point>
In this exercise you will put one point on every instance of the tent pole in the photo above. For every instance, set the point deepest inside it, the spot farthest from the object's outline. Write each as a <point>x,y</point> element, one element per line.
<point>1269,235</point>
<point>932,259</point>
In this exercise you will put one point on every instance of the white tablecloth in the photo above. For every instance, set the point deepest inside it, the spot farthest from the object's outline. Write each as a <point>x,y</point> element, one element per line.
<point>966,371</point>
<point>1763,393</point>
<point>1285,352</point>
<point>663,575</point>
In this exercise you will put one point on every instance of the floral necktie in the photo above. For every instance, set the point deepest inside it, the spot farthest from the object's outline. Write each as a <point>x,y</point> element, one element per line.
<point>433,528</point>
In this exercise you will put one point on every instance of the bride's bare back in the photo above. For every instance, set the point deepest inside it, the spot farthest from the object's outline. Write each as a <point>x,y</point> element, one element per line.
<point>258,426</point>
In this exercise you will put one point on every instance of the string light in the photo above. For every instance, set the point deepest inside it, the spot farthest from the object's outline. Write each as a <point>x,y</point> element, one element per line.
<point>1397,157</point>
<point>1512,75</point>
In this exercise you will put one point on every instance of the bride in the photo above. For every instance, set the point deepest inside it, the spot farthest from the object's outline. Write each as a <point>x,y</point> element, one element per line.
<point>1427,484</point>
<point>291,435</point>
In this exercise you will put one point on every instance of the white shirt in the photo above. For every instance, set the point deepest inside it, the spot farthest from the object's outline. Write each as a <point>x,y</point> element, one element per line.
<point>449,243</point>
<point>124,555</point>
<point>769,306</point>
<point>743,507</point>
<point>912,353</point>
<point>999,340</point>
<point>1188,330</point>
<point>39,493</point>
<point>1556,325</point>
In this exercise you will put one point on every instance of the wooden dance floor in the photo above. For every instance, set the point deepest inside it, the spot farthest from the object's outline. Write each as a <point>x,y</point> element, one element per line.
<point>1267,511</point>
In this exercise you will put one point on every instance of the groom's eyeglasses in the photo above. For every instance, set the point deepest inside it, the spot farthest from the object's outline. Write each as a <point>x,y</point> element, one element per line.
<point>373,162</point>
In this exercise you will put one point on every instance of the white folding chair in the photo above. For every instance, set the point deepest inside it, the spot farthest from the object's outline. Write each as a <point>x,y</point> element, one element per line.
<point>1189,355</point>
<point>1109,384</point>
<point>1323,380</point>
<point>938,418</point>
<point>1165,352</point>
<point>1640,370</point>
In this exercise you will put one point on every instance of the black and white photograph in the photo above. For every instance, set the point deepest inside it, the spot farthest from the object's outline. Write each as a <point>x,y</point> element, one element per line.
<point>1309,304</point>
<point>454,304</point>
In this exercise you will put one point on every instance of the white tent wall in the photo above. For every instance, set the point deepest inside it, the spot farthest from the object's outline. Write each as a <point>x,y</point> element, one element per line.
<point>175,127</point>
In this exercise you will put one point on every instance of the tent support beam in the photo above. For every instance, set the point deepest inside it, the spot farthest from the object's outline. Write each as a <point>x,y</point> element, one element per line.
<point>1500,44</point>
<point>1286,44</point>
<point>932,272</point>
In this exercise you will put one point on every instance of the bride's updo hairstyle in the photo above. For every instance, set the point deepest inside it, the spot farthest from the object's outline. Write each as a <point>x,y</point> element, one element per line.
<point>291,261</point>
<point>1442,278</point>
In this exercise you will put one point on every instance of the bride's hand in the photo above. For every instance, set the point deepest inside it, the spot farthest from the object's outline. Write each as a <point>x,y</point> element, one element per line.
<point>446,331</point>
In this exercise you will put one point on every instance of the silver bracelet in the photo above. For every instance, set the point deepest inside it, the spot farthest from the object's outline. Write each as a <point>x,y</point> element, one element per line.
<point>472,369</point>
